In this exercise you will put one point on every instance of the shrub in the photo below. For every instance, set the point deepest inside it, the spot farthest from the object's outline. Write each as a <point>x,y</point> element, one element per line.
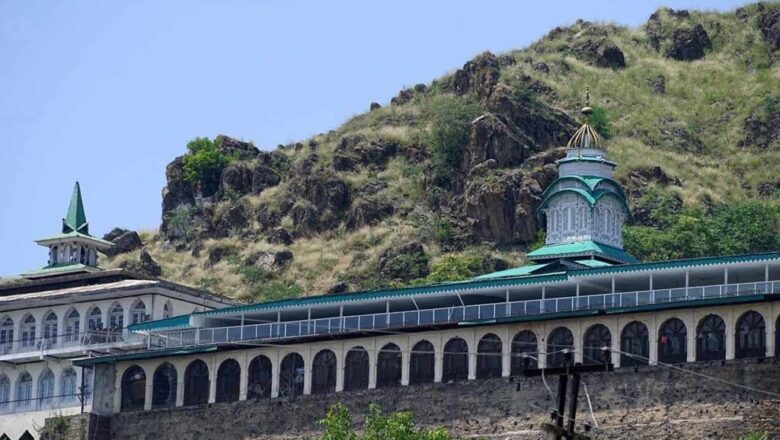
<point>277,290</point>
<point>203,164</point>
<point>450,118</point>
<point>455,267</point>
<point>377,426</point>
<point>600,122</point>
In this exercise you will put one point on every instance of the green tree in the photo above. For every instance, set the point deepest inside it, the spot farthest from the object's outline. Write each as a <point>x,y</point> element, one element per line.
<point>450,118</point>
<point>377,426</point>
<point>599,121</point>
<point>203,164</point>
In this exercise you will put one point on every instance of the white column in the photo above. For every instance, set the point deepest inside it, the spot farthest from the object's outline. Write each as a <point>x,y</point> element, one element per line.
<point>615,354</point>
<point>438,365</point>
<point>275,360</point>
<point>691,338</point>
<point>244,378</point>
<point>506,353</point>
<point>770,331</point>
<point>372,356</point>
<point>307,368</point>
<point>730,339</point>
<point>405,360</point>
<point>148,393</point>
<point>653,341</point>
<point>213,380</point>
<point>340,366</point>
<point>180,389</point>
<point>578,350</point>
<point>473,356</point>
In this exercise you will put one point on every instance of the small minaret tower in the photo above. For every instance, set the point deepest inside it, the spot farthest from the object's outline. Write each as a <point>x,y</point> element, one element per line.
<point>585,208</point>
<point>73,250</point>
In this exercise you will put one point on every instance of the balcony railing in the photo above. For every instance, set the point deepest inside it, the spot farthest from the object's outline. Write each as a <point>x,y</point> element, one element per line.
<point>69,341</point>
<point>53,403</point>
<point>449,315</point>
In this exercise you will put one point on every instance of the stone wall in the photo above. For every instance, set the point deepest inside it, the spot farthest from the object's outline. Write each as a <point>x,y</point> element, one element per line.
<point>630,403</point>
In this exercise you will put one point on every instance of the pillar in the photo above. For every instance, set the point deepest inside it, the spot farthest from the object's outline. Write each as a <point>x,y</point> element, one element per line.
<point>506,353</point>
<point>652,337</point>
<point>372,356</point>
<point>180,387</point>
<point>406,357</point>
<point>690,328</point>
<point>244,378</point>
<point>307,369</point>
<point>213,380</point>
<point>473,356</point>
<point>341,363</point>
<point>275,375</point>
<point>730,339</point>
<point>438,366</point>
<point>148,393</point>
<point>577,333</point>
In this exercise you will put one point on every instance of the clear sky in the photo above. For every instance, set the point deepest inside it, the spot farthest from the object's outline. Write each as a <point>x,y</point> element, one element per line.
<point>108,93</point>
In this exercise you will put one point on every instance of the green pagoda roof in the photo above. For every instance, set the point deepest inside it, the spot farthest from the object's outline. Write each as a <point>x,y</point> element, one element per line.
<point>75,220</point>
<point>582,248</point>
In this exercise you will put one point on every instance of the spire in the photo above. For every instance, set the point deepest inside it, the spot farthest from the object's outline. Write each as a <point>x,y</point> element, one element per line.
<point>75,220</point>
<point>586,136</point>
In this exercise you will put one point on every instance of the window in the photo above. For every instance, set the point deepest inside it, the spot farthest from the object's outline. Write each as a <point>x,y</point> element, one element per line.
<point>597,337</point>
<point>167,310</point>
<point>259,378</point>
<point>95,319</point>
<point>5,391</point>
<point>72,326</point>
<point>388,365</point>
<point>291,376</point>
<point>196,383</point>
<point>50,329</point>
<point>635,345</point>
<point>524,354</point>
<point>421,363</point>
<point>751,335</point>
<point>672,342</point>
<point>133,389</point>
<point>489,358</point>
<point>323,374</point>
<point>69,388</point>
<point>560,345</point>
<point>228,381</point>
<point>116,317</point>
<point>46,388</point>
<point>7,335</point>
<point>24,390</point>
<point>164,386</point>
<point>456,360</point>
<point>711,339</point>
<point>139,313</point>
<point>28,332</point>
<point>356,369</point>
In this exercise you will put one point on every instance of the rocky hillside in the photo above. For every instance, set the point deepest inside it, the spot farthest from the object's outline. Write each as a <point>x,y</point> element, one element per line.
<point>442,183</point>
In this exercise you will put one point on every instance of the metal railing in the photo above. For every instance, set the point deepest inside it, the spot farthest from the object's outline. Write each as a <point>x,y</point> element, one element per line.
<point>86,339</point>
<point>448,315</point>
<point>52,403</point>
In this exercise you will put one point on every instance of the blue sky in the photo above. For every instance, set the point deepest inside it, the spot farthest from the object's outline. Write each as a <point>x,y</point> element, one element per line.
<point>108,93</point>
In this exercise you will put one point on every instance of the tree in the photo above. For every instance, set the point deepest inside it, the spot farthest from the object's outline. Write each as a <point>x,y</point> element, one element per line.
<point>203,164</point>
<point>377,426</point>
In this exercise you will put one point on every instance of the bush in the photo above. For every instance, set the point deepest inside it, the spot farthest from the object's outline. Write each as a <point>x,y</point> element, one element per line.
<point>450,118</point>
<point>276,290</point>
<point>455,267</point>
<point>600,122</point>
<point>377,426</point>
<point>203,164</point>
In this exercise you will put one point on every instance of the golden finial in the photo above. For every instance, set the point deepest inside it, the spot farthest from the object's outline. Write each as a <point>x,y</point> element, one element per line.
<point>586,136</point>
<point>587,110</point>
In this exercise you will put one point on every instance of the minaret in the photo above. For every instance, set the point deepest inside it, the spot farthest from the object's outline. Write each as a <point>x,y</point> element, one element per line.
<point>73,250</point>
<point>585,208</point>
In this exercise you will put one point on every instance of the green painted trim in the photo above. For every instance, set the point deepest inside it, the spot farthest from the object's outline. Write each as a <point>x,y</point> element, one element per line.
<point>590,181</point>
<point>515,271</point>
<point>675,264</point>
<point>590,198</point>
<point>586,159</point>
<point>181,321</point>
<point>581,248</point>
<point>60,269</point>
<point>141,355</point>
<point>65,236</point>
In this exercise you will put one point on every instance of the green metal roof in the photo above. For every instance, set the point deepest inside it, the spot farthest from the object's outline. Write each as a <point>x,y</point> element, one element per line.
<point>586,159</point>
<point>75,220</point>
<point>151,354</point>
<point>175,322</point>
<point>591,197</point>
<point>514,272</point>
<point>578,248</point>
<point>677,264</point>
<point>76,234</point>
<point>593,263</point>
<point>58,269</point>
<point>590,181</point>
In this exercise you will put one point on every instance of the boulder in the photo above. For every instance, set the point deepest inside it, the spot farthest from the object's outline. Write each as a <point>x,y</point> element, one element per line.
<point>769,24</point>
<point>144,266</point>
<point>230,221</point>
<point>490,138</point>
<point>376,153</point>
<point>374,106</point>
<point>336,288</point>
<point>367,212</point>
<point>269,261</point>
<point>404,263</point>
<point>235,148</point>
<point>542,67</point>
<point>218,253</point>
<point>478,76</point>
<point>689,44</point>
<point>741,14</point>
<point>280,236</point>
<point>235,178</point>
<point>178,191</point>
<point>506,60</point>
<point>762,126</point>
<point>124,241</point>
<point>601,53</point>
<point>402,98</point>
<point>264,177</point>
<point>342,162</point>
<point>306,218</point>
<point>657,84</point>
<point>267,218</point>
<point>324,191</point>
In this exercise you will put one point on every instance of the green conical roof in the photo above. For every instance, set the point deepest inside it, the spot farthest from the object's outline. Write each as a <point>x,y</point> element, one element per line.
<point>75,220</point>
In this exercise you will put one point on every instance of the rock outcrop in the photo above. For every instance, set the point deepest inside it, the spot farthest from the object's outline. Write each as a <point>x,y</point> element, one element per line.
<point>689,44</point>
<point>124,241</point>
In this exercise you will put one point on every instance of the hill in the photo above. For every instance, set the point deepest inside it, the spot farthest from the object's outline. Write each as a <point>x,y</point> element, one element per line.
<point>443,182</point>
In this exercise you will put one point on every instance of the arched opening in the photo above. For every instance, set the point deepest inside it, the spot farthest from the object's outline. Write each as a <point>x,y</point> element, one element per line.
<point>524,352</point>
<point>27,436</point>
<point>50,329</point>
<point>356,369</point>
<point>751,335</point>
<point>422,363</point>
<point>228,381</point>
<point>69,388</point>
<point>116,317</point>
<point>455,360</point>
<point>260,377</point>
<point>164,385</point>
<point>95,319</point>
<point>559,344</point>
<point>672,342</point>
<point>196,383</point>
<point>711,339</point>
<point>5,391</point>
<point>635,345</point>
<point>7,335</point>
<point>138,312</point>
<point>72,326</point>
<point>167,310</point>
<point>323,373</point>
<point>291,377</point>
<point>28,332</point>
<point>24,390</point>
<point>46,388</point>
<point>597,338</point>
<point>489,362</point>
<point>133,389</point>
<point>388,366</point>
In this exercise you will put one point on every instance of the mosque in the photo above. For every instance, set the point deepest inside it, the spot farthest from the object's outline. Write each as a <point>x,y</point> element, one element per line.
<point>164,345</point>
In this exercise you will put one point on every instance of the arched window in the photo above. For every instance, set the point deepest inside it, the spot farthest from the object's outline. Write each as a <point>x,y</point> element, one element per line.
<point>69,387</point>
<point>133,389</point>
<point>164,384</point>
<point>421,363</point>
<point>559,343</point>
<point>116,317</point>
<point>635,344</point>
<point>228,381</point>
<point>711,339</point>
<point>167,310</point>
<point>524,352</point>
<point>72,326</point>
<point>196,383</point>
<point>323,373</point>
<point>388,366</point>
<point>356,369</point>
<point>259,383</point>
<point>489,362</point>
<point>291,375</point>
<point>28,332</point>
<point>456,360</point>
<point>751,335</point>
<point>95,319</point>
<point>5,391</point>
<point>46,387</point>
<point>50,329</point>
<point>7,335</point>
<point>672,342</point>
<point>138,312</point>
<point>597,337</point>
<point>24,390</point>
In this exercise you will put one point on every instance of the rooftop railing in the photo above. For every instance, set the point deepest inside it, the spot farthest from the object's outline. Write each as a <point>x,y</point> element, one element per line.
<point>69,341</point>
<point>277,331</point>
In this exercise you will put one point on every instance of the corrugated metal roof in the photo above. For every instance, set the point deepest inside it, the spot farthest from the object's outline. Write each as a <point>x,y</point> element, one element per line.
<point>143,355</point>
<point>581,248</point>
<point>75,290</point>
<point>181,321</point>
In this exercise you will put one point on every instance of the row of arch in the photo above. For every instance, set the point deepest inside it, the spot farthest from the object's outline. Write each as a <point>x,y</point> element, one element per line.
<point>524,353</point>
<point>21,393</point>
<point>50,324</point>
